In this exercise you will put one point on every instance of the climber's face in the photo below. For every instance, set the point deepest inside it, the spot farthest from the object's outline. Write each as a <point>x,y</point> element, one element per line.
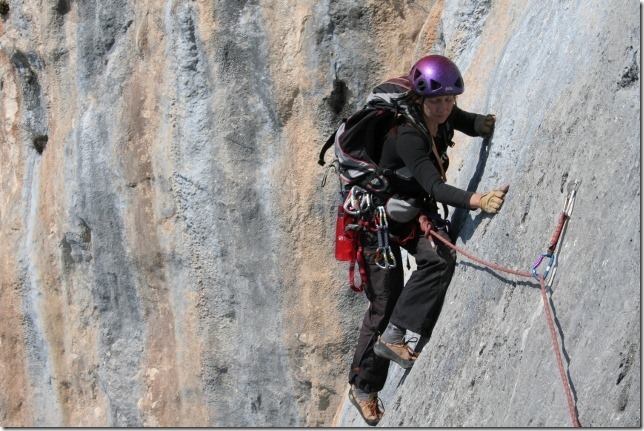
<point>438,108</point>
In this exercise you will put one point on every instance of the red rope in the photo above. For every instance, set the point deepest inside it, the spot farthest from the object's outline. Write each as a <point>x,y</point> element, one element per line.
<point>476,259</point>
<point>555,344</point>
<point>427,228</point>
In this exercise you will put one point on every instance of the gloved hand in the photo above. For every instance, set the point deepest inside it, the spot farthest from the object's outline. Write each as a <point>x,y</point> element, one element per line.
<point>491,202</point>
<point>484,125</point>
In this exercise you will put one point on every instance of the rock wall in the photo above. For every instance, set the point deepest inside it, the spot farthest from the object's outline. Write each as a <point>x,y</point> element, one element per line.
<point>167,252</point>
<point>563,80</point>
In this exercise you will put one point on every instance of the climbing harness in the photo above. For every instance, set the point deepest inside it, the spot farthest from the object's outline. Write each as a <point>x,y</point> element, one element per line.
<point>427,227</point>
<point>552,245</point>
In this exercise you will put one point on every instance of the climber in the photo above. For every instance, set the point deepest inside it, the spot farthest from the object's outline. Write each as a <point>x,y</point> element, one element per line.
<point>419,158</point>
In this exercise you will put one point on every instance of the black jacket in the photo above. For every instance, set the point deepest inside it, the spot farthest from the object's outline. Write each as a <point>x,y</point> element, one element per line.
<point>408,152</point>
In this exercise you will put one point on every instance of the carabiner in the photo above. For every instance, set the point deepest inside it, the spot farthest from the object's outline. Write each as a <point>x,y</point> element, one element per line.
<point>358,201</point>
<point>570,199</point>
<point>381,255</point>
<point>365,202</point>
<point>349,207</point>
<point>391,257</point>
<point>548,266</point>
<point>385,258</point>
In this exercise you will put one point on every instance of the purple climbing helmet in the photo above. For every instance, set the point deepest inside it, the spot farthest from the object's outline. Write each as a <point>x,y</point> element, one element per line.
<point>435,75</point>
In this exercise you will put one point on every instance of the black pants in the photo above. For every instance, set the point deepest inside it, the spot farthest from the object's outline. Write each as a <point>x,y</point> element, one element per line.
<point>416,306</point>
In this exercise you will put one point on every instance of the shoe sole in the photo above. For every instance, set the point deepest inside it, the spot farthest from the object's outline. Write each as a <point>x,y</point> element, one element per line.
<point>383,351</point>
<point>371,422</point>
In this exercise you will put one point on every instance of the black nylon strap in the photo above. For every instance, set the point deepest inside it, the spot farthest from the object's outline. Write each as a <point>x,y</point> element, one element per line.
<point>327,145</point>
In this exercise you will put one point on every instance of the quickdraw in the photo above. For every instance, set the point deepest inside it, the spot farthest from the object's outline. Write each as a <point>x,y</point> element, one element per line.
<point>554,244</point>
<point>385,258</point>
<point>554,241</point>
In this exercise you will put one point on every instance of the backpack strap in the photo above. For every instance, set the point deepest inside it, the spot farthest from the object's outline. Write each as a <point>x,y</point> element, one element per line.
<point>439,161</point>
<point>328,144</point>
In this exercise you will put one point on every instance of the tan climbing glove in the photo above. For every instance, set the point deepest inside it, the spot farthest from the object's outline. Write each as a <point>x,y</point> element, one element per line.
<point>484,125</point>
<point>491,202</point>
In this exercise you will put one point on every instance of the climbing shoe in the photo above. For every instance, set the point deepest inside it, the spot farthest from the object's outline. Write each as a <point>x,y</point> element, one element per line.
<point>400,352</point>
<point>371,409</point>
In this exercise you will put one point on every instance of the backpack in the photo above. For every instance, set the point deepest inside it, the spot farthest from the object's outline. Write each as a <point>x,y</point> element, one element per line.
<point>358,145</point>
<point>359,139</point>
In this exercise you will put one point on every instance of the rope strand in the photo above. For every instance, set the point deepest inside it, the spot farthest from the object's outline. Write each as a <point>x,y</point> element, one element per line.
<point>555,342</point>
